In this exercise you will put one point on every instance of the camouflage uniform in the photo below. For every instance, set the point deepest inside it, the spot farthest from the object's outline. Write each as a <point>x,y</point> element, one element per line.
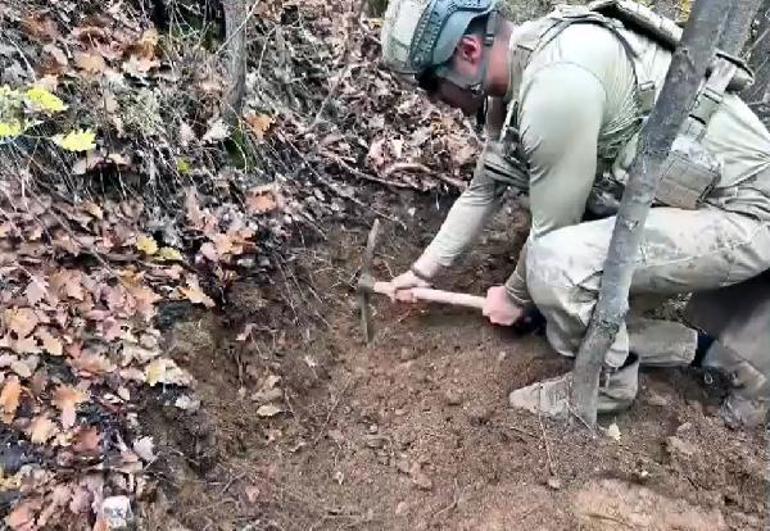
<point>579,116</point>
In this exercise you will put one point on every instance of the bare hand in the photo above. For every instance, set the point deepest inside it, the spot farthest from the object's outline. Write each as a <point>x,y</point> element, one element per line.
<point>402,287</point>
<point>499,307</point>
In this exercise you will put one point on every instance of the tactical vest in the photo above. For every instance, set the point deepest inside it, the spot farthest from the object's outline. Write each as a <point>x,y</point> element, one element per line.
<point>691,171</point>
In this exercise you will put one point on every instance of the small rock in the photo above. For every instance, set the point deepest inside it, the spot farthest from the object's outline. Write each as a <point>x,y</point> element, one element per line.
<point>270,395</point>
<point>407,354</point>
<point>116,511</point>
<point>675,445</point>
<point>555,483</point>
<point>187,403</point>
<point>401,508</point>
<point>684,428</point>
<point>613,432</point>
<point>453,398</point>
<point>336,436</point>
<point>374,428</point>
<point>654,399</point>
<point>400,412</point>
<point>375,441</point>
<point>419,477</point>
<point>402,465</point>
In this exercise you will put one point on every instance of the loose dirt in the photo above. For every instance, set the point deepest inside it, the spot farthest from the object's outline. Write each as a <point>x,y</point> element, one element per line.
<point>413,431</point>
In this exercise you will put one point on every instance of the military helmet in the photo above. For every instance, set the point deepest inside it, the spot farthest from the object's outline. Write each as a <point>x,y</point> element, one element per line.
<point>421,34</point>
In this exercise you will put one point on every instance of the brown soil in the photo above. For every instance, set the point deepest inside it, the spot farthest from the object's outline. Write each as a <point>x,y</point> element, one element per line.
<point>414,431</point>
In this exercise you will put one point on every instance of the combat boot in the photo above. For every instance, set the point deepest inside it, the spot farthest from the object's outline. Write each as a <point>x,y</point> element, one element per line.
<point>617,391</point>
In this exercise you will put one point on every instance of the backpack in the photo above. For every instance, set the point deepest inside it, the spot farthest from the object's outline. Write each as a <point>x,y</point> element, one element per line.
<point>725,74</point>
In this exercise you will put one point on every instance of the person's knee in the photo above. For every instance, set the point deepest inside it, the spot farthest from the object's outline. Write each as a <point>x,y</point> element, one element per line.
<point>557,265</point>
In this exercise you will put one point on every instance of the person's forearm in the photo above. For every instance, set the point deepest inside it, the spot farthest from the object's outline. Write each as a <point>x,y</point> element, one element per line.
<point>465,220</point>
<point>516,285</point>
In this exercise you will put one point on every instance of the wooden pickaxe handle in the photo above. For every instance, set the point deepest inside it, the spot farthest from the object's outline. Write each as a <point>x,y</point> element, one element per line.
<point>436,295</point>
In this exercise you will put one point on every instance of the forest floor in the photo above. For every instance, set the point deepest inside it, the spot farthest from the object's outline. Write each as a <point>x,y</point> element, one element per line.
<point>180,345</point>
<point>414,431</point>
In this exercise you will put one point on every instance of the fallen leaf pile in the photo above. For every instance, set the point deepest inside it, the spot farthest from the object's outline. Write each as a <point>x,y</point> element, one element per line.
<point>142,193</point>
<point>81,286</point>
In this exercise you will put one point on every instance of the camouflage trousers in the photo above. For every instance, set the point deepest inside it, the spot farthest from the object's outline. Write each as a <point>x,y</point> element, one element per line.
<point>682,251</point>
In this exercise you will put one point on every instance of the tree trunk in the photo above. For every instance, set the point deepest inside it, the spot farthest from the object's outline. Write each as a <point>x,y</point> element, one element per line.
<point>738,26</point>
<point>235,33</point>
<point>759,59</point>
<point>687,70</point>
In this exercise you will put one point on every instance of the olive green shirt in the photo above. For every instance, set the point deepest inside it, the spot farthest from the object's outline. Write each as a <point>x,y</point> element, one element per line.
<point>578,113</point>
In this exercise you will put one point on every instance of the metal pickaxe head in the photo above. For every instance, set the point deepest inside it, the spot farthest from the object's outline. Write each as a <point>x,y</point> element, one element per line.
<point>366,283</point>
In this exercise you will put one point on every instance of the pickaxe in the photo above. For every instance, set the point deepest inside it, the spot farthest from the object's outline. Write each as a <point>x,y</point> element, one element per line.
<point>368,285</point>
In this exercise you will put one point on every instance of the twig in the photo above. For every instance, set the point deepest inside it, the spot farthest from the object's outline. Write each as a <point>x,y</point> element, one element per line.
<point>334,189</point>
<point>363,175</point>
<point>551,468</point>
<point>524,432</point>
<point>406,166</point>
<point>331,412</point>
<point>455,501</point>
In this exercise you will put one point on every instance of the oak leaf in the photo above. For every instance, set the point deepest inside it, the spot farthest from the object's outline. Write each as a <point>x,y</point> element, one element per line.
<point>36,291</point>
<point>22,518</point>
<point>82,140</point>
<point>44,100</point>
<point>41,429</point>
<point>166,371</point>
<point>51,344</point>
<point>9,398</point>
<point>195,294</point>
<point>21,321</point>
<point>87,441</point>
<point>26,345</point>
<point>209,251</point>
<point>67,399</point>
<point>261,201</point>
<point>169,254</point>
<point>146,244</point>
<point>259,124</point>
<point>90,62</point>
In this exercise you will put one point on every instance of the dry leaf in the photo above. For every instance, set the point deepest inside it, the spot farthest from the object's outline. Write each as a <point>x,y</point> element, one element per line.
<point>88,441</point>
<point>51,344</point>
<point>93,209</point>
<point>195,294</point>
<point>166,371</point>
<point>243,336</point>
<point>9,398</point>
<point>146,244</point>
<point>169,254</point>
<point>209,251</point>
<point>269,410</point>
<point>21,321</point>
<point>67,399</point>
<point>252,493</point>
<point>27,345</point>
<point>144,449</point>
<point>223,243</point>
<point>21,368</point>
<point>41,429</point>
<point>90,62</point>
<point>218,131</point>
<point>139,66</point>
<point>36,291</point>
<point>261,200</point>
<point>259,124</point>
<point>186,134</point>
<point>22,518</point>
